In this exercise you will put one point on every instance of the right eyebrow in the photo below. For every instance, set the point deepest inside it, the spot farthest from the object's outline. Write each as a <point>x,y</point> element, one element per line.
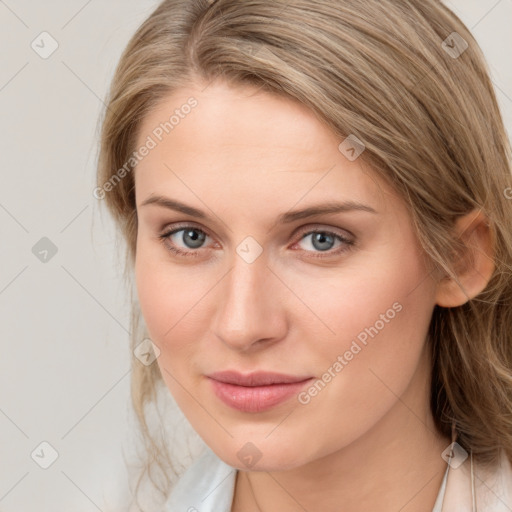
<point>285,218</point>
<point>172,204</point>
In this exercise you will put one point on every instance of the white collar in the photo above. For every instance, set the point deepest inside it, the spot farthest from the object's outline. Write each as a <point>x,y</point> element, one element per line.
<point>208,485</point>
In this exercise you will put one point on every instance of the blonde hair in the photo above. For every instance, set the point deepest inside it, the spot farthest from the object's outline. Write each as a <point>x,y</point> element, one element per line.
<point>393,74</point>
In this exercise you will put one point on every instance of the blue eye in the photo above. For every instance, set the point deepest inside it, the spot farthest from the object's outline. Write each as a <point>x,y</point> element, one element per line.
<point>323,241</point>
<point>193,238</point>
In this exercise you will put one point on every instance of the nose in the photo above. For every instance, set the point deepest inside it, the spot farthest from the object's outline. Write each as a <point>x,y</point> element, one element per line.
<point>250,311</point>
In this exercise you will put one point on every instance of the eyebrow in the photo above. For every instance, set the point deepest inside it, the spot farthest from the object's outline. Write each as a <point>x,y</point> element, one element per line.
<point>285,218</point>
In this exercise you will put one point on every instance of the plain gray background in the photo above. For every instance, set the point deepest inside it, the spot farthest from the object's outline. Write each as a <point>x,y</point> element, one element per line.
<point>64,323</point>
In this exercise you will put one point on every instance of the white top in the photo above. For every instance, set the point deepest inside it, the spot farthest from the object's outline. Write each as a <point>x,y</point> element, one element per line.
<point>208,485</point>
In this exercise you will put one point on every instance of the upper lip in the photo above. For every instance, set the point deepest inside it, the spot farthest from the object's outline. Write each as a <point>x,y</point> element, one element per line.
<point>256,378</point>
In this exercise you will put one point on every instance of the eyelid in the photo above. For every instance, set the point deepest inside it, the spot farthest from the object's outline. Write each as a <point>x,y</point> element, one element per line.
<point>308,229</point>
<point>347,243</point>
<point>173,227</point>
<point>343,233</point>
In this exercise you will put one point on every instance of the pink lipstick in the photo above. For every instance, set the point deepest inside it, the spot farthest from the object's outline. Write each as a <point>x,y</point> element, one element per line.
<point>255,392</point>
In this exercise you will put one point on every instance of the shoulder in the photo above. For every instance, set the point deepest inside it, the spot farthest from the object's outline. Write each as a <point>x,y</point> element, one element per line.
<point>207,485</point>
<point>496,486</point>
<point>492,487</point>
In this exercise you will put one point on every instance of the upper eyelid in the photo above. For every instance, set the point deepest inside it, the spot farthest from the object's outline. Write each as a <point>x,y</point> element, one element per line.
<point>303,230</point>
<point>171,229</point>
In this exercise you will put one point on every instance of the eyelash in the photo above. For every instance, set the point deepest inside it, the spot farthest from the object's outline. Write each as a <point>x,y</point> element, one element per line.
<point>348,244</point>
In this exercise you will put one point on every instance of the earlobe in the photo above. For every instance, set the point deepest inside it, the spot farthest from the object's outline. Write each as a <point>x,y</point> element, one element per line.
<point>474,266</point>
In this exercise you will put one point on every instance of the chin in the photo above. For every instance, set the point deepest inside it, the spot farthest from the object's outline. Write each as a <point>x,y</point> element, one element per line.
<point>259,455</point>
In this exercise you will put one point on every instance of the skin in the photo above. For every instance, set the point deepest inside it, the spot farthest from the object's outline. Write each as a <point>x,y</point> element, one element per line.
<point>243,156</point>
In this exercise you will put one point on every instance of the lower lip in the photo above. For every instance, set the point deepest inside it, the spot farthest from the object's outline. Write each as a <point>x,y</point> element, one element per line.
<point>255,398</point>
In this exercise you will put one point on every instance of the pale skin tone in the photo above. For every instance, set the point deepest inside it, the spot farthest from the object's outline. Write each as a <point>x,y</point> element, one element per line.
<point>367,440</point>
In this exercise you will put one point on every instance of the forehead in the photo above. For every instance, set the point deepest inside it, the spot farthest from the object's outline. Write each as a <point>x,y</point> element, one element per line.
<point>244,114</point>
<point>244,142</point>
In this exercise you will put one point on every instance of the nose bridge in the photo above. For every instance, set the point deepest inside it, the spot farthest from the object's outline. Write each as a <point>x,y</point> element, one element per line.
<point>248,308</point>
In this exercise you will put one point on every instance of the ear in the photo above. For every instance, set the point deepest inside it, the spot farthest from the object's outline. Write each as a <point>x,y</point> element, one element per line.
<point>474,265</point>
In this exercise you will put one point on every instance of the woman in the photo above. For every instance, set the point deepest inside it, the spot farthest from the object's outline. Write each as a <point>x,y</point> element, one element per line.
<point>315,197</point>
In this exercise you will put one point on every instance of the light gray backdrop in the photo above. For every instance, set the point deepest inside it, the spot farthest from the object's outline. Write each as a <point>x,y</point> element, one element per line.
<point>63,312</point>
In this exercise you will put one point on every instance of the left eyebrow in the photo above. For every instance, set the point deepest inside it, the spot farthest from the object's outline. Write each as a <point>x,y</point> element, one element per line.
<point>285,218</point>
<point>325,208</point>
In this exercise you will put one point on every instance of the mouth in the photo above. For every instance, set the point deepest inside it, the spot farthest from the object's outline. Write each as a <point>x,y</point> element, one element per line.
<point>255,392</point>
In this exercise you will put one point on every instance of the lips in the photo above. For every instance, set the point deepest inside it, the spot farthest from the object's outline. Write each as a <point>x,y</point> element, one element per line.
<point>255,392</point>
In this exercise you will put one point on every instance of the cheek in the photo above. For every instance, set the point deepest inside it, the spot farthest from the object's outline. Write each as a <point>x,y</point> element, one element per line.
<point>387,297</point>
<point>165,290</point>
<point>380,321</point>
<point>171,299</point>
<point>164,302</point>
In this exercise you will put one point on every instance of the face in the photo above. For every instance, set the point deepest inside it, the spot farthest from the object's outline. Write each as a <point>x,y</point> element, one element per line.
<point>236,280</point>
